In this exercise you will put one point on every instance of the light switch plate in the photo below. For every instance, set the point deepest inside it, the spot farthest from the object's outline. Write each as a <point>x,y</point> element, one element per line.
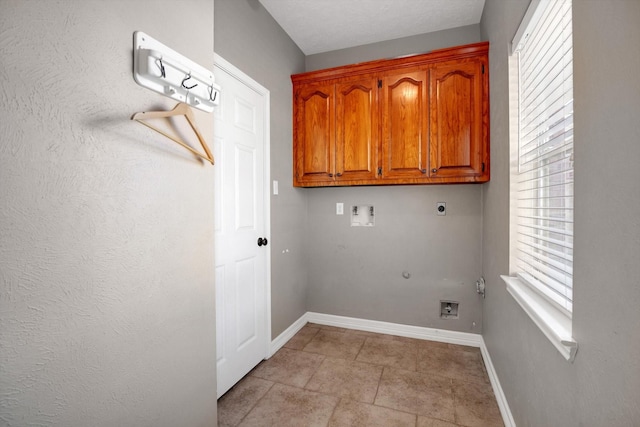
<point>339,208</point>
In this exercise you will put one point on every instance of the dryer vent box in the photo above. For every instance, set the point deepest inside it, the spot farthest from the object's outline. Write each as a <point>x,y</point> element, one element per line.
<point>448,310</point>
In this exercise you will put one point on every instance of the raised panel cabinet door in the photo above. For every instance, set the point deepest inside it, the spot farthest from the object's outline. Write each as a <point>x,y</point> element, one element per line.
<point>404,125</point>
<point>456,136</point>
<point>357,129</point>
<point>314,139</point>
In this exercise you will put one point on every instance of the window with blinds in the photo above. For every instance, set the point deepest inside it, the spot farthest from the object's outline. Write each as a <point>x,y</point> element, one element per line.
<point>542,172</point>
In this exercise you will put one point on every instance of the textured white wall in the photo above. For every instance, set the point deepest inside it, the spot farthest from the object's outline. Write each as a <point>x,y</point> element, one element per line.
<point>106,241</point>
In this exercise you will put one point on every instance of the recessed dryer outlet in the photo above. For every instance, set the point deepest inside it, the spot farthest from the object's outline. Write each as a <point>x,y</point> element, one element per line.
<point>448,310</point>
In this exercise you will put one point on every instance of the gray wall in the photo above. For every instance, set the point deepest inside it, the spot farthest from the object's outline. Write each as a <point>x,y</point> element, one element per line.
<point>107,307</point>
<point>358,271</point>
<point>420,43</point>
<point>602,386</point>
<point>248,37</point>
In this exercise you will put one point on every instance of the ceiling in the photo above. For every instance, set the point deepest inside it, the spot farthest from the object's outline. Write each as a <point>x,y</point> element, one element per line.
<point>318,26</point>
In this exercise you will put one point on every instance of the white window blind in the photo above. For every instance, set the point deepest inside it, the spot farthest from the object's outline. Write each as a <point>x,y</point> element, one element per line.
<point>543,179</point>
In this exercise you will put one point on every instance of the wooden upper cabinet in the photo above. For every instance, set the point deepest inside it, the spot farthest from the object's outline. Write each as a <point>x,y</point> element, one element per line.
<point>404,125</point>
<point>314,134</point>
<point>336,132</point>
<point>357,129</point>
<point>420,119</point>
<point>456,125</point>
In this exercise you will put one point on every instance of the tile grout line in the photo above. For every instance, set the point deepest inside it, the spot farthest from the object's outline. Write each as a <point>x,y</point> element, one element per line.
<point>324,357</point>
<point>360,349</point>
<point>378,387</point>
<point>256,404</point>
<point>334,410</point>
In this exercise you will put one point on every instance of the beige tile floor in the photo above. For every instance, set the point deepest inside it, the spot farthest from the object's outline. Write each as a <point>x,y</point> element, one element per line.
<point>333,377</point>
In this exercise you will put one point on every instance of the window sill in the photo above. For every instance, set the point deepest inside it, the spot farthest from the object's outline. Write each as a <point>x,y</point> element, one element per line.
<point>555,325</point>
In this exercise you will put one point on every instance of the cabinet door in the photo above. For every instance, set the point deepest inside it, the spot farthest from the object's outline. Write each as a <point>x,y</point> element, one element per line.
<point>314,128</point>
<point>357,129</point>
<point>404,125</point>
<point>456,137</point>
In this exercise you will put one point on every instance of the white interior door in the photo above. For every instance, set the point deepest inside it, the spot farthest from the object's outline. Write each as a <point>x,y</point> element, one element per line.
<point>241,218</point>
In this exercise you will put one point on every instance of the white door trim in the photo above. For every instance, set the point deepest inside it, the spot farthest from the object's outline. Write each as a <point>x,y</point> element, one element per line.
<point>230,69</point>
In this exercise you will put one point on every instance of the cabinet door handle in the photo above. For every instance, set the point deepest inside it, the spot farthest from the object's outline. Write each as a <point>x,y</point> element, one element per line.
<point>330,175</point>
<point>423,171</point>
<point>338,174</point>
<point>434,170</point>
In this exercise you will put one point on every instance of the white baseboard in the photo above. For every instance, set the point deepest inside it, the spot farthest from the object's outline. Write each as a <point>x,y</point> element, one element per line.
<point>507,417</point>
<point>451,337</point>
<point>285,336</point>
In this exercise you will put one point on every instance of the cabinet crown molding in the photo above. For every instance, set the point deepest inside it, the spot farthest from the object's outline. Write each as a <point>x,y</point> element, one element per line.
<point>408,61</point>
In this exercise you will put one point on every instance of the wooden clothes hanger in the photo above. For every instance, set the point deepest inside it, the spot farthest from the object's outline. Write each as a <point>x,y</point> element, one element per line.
<point>181,109</point>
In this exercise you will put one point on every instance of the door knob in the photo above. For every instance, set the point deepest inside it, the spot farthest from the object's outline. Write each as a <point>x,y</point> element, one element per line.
<point>262,241</point>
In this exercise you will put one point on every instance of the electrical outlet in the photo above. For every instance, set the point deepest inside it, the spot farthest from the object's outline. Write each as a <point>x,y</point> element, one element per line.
<point>441,208</point>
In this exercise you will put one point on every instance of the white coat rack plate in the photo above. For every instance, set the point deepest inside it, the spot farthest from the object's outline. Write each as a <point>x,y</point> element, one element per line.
<point>163,70</point>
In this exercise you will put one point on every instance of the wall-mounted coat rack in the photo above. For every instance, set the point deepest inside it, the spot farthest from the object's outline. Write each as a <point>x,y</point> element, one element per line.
<point>165,71</point>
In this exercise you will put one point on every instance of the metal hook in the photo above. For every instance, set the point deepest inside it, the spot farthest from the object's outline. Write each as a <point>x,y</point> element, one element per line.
<point>212,97</point>
<point>185,79</point>
<point>161,65</point>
